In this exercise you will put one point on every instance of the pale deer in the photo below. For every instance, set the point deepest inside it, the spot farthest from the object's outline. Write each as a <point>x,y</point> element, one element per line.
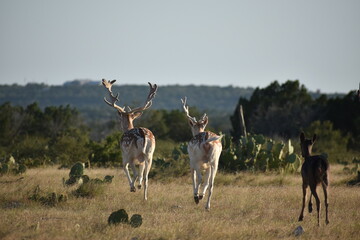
<point>204,152</point>
<point>137,144</point>
<point>314,171</point>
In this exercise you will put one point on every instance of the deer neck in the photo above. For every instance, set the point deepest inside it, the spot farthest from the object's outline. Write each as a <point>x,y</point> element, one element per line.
<point>196,131</point>
<point>126,123</point>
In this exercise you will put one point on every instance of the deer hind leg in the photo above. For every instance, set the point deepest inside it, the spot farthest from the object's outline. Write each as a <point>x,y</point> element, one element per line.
<point>324,186</point>
<point>135,177</point>
<point>206,183</point>
<point>211,187</point>
<point>141,174</point>
<point>148,163</point>
<point>310,208</point>
<point>313,191</point>
<point>304,187</point>
<point>127,173</point>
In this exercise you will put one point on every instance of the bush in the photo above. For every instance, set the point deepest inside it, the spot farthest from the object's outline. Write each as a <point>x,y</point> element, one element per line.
<point>328,140</point>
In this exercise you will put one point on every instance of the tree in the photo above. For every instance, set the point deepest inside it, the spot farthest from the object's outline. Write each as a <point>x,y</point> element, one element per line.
<point>277,110</point>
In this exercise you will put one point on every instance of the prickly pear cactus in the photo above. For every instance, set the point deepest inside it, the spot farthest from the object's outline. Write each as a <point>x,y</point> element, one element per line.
<point>63,198</point>
<point>136,220</point>
<point>71,181</point>
<point>77,170</point>
<point>108,179</point>
<point>4,168</point>
<point>21,169</point>
<point>85,178</point>
<point>117,217</point>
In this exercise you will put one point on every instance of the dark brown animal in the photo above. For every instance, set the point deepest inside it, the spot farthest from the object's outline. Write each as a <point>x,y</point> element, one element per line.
<point>314,171</point>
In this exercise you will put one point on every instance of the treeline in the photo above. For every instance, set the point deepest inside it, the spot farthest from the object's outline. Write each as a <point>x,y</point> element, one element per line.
<point>283,110</point>
<point>37,135</point>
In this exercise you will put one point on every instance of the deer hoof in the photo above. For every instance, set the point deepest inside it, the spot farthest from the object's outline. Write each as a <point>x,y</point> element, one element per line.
<point>132,189</point>
<point>201,197</point>
<point>139,186</point>
<point>327,222</point>
<point>301,218</point>
<point>196,198</point>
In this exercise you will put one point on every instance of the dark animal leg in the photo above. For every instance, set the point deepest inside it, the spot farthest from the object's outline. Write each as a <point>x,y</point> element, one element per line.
<point>324,185</point>
<point>310,204</point>
<point>301,217</point>
<point>313,191</point>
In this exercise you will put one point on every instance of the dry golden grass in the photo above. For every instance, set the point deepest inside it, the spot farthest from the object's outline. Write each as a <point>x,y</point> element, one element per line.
<point>244,206</point>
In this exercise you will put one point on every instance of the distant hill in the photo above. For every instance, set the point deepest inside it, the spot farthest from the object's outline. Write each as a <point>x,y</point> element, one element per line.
<point>87,96</point>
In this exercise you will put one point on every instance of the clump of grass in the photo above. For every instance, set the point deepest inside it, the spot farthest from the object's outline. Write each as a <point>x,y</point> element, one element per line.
<point>47,198</point>
<point>90,189</point>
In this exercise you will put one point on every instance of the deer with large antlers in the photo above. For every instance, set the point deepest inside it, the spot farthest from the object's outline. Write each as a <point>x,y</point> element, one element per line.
<point>314,171</point>
<point>204,152</point>
<point>137,144</point>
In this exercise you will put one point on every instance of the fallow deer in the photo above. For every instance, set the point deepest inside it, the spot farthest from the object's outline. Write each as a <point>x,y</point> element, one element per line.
<point>204,152</point>
<point>314,171</point>
<point>137,144</point>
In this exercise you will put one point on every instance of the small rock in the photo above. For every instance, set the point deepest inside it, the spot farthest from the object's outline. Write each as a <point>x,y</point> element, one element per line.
<point>298,231</point>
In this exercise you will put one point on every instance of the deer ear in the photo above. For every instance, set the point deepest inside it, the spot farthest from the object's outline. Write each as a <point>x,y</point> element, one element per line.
<point>314,138</point>
<point>206,120</point>
<point>302,136</point>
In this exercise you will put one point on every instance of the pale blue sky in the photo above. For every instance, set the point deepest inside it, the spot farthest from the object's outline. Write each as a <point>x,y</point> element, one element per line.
<point>240,43</point>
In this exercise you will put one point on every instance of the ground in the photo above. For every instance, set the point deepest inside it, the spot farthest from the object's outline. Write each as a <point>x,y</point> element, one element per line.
<point>244,206</point>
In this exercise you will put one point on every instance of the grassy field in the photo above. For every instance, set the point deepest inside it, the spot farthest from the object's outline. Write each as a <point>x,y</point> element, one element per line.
<point>244,206</point>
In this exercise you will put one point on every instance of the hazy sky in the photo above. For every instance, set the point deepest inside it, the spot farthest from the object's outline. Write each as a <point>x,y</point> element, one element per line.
<point>240,43</point>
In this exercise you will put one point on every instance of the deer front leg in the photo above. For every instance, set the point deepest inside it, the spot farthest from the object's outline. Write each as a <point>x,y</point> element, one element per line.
<point>193,178</point>
<point>135,174</point>
<point>301,217</point>
<point>127,173</point>
<point>324,185</point>
<point>206,184</point>
<point>197,185</point>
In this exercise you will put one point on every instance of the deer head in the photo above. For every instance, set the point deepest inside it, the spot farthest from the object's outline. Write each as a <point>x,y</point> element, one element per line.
<point>306,144</point>
<point>127,116</point>
<point>196,126</point>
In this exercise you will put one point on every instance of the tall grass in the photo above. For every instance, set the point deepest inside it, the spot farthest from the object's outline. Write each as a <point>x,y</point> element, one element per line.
<point>244,206</point>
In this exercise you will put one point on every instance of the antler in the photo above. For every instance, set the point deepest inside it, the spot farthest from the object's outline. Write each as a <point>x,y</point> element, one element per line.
<point>113,99</point>
<point>186,109</point>
<point>148,102</point>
